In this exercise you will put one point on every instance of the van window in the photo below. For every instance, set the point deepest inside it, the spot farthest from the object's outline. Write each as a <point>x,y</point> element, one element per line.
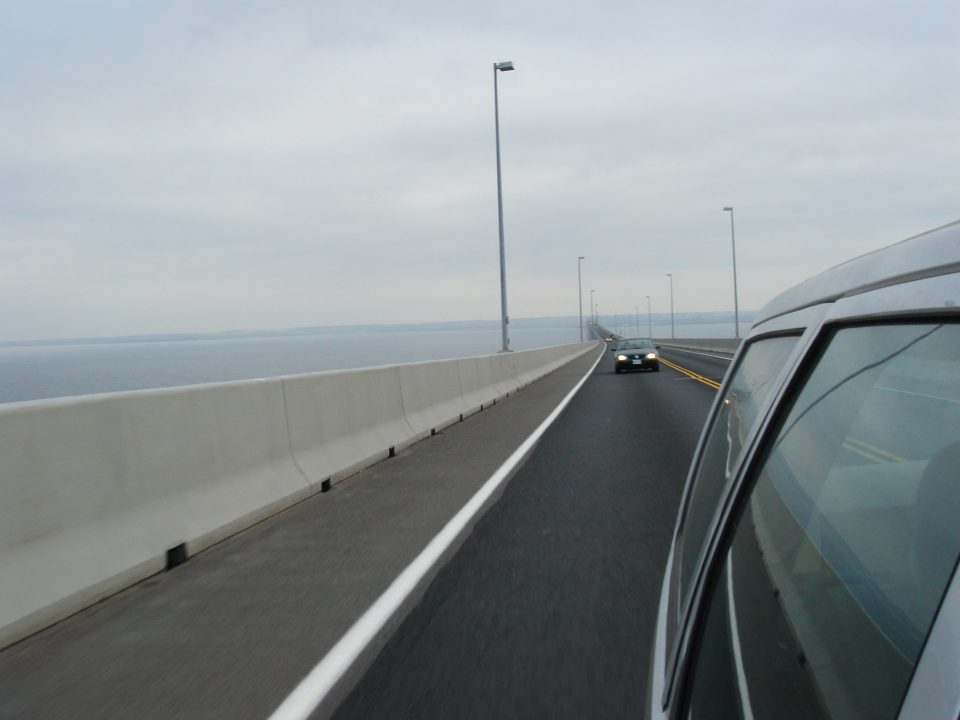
<point>845,545</point>
<point>748,389</point>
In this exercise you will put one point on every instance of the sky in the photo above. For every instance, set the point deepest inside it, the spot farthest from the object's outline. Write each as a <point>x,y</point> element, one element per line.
<point>200,165</point>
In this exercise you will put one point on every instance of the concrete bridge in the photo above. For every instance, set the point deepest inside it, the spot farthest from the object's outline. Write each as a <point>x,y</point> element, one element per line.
<point>479,537</point>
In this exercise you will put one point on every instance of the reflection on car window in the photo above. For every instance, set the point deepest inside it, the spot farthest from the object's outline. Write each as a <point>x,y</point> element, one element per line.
<point>748,389</point>
<point>848,539</point>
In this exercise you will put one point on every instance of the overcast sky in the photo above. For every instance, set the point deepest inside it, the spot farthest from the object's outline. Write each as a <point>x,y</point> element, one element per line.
<point>192,165</point>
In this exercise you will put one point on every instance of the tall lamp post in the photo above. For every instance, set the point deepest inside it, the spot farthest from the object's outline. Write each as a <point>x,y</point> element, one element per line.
<point>637,308</point>
<point>580,258</point>
<point>672,332</point>
<point>593,313</point>
<point>504,317</point>
<point>649,319</point>
<point>736,305</point>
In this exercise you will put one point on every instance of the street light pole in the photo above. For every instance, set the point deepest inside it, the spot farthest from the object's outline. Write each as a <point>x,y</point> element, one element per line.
<point>649,319</point>
<point>637,308</point>
<point>593,314</point>
<point>580,258</point>
<point>504,317</point>
<point>736,304</point>
<point>672,331</point>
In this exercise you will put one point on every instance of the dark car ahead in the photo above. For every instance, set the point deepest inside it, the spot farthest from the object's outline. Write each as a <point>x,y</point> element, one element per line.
<point>636,354</point>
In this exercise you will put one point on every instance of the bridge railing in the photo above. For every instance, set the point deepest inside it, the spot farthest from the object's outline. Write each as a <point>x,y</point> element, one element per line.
<point>723,346</point>
<point>99,492</point>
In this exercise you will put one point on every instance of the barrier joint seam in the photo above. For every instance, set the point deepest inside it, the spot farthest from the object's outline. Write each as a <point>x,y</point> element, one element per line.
<point>286,419</point>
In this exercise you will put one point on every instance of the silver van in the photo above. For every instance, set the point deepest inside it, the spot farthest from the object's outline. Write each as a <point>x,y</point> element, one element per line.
<point>813,567</point>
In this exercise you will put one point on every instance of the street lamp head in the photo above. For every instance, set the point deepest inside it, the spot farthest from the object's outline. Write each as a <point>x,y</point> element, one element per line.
<point>504,66</point>
<point>728,209</point>
<point>580,257</point>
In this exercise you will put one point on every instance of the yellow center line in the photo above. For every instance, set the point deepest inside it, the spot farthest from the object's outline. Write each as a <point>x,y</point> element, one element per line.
<point>864,454</point>
<point>691,374</point>
<point>873,449</point>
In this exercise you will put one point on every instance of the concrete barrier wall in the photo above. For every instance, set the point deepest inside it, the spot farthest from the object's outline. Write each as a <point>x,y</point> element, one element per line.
<point>432,395</point>
<point>724,346</point>
<point>342,422</point>
<point>476,383</point>
<point>94,491</point>
<point>504,373</point>
<point>530,365</point>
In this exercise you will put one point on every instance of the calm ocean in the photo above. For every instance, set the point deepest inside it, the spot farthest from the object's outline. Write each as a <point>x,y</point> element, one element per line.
<point>30,372</point>
<point>35,371</point>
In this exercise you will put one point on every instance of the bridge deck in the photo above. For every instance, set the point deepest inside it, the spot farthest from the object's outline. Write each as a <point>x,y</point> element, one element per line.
<point>547,607</point>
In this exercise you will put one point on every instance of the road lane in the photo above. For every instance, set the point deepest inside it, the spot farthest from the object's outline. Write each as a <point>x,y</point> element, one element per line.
<point>548,608</point>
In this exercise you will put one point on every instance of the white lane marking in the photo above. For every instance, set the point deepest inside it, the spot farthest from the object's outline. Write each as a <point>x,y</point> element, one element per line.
<point>735,641</point>
<point>728,358</point>
<point>314,687</point>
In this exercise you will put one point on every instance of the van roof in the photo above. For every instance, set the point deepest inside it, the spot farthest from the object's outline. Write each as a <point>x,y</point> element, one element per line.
<point>936,252</point>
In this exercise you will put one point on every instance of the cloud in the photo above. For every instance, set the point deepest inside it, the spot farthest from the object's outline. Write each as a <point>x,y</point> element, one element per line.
<point>200,166</point>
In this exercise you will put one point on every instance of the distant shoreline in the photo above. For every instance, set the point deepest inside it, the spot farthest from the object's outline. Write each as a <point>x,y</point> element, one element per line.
<point>658,320</point>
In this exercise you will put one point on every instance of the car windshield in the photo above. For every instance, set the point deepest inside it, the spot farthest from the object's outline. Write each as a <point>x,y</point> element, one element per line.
<point>638,344</point>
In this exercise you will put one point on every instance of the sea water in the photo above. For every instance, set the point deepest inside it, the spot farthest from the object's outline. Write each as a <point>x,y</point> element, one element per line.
<point>47,370</point>
<point>29,372</point>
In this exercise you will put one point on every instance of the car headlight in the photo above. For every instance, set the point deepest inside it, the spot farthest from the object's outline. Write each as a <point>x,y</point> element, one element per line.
<point>651,356</point>
<point>621,357</point>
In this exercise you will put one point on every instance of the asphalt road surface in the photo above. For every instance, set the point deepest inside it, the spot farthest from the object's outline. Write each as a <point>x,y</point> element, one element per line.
<point>548,608</point>
<point>710,365</point>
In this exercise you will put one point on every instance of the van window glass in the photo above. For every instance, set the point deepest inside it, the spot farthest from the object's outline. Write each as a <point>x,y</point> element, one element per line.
<point>848,539</point>
<point>748,389</point>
